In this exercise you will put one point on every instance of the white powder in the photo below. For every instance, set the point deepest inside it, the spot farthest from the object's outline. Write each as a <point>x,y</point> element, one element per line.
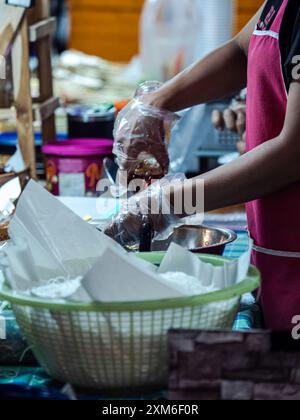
<point>58,288</point>
<point>187,285</point>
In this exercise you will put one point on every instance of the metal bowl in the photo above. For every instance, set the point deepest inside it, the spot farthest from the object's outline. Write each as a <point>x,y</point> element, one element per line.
<point>198,239</point>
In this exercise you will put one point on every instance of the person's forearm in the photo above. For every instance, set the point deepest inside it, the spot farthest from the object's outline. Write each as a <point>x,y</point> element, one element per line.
<point>263,171</point>
<point>218,75</point>
<point>267,169</point>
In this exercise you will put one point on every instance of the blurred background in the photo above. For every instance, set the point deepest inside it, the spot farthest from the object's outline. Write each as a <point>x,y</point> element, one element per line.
<point>153,36</point>
<point>103,49</point>
<point>110,28</point>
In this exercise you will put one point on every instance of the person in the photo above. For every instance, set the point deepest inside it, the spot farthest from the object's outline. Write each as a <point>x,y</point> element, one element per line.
<point>233,119</point>
<point>264,57</point>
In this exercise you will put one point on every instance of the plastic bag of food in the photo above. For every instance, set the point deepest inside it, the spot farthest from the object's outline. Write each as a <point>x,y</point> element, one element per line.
<point>142,134</point>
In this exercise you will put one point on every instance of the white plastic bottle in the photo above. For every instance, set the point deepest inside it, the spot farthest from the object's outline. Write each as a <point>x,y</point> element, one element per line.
<point>169,33</point>
<point>176,33</point>
<point>217,24</point>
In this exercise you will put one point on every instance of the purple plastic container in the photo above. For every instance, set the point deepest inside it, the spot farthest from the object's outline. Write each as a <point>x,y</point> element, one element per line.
<point>74,167</point>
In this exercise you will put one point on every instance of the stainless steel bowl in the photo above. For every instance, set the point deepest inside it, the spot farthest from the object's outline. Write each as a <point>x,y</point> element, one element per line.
<point>198,239</point>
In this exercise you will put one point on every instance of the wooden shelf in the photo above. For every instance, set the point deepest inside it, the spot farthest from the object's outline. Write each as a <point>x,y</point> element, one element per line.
<point>10,20</point>
<point>19,27</point>
<point>45,110</point>
<point>41,29</point>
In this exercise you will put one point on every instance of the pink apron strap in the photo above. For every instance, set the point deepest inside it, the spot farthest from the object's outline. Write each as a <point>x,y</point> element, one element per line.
<point>276,25</point>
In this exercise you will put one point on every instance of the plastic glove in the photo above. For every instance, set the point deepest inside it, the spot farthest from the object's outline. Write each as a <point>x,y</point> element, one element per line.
<point>142,134</point>
<point>150,206</point>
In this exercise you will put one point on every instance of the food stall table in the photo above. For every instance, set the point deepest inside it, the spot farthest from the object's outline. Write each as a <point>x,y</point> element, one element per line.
<point>26,373</point>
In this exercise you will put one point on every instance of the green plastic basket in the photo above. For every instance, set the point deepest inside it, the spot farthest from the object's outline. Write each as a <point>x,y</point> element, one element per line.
<point>119,345</point>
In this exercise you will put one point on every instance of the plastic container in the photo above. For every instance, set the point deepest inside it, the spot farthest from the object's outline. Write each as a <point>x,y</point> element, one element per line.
<point>74,167</point>
<point>9,142</point>
<point>91,121</point>
<point>120,346</point>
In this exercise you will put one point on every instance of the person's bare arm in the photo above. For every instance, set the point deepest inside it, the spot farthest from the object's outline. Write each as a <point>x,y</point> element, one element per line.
<point>221,73</point>
<point>266,169</point>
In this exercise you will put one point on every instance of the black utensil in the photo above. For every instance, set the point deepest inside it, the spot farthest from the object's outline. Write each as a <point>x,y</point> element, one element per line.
<point>146,236</point>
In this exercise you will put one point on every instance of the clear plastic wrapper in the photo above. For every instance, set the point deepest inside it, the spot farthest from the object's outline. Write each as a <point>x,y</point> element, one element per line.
<point>142,134</point>
<point>150,206</point>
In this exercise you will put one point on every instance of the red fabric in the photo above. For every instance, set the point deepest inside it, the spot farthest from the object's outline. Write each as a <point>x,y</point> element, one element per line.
<point>274,222</point>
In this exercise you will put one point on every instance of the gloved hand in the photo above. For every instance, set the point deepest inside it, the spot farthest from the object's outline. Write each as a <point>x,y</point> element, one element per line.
<point>142,134</point>
<point>150,206</point>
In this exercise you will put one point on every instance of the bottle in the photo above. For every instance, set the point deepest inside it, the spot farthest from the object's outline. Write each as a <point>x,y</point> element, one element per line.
<point>169,34</point>
<point>176,33</point>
